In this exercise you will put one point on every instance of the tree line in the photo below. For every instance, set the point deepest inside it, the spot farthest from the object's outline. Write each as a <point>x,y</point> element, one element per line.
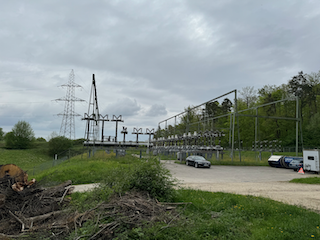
<point>22,137</point>
<point>216,115</point>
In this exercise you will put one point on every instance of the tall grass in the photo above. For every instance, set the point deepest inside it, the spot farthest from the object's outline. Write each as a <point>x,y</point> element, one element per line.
<point>229,216</point>
<point>25,158</point>
<point>81,169</point>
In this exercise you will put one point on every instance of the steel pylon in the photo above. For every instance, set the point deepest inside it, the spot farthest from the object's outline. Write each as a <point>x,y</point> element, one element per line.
<point>67,128</point>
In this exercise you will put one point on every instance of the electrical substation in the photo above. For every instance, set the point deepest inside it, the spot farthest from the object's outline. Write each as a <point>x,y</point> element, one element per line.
<point>202,137</point>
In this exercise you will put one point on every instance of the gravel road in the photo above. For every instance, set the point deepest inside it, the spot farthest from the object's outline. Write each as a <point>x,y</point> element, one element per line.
<point>257,181</point>
<point>246,180</point>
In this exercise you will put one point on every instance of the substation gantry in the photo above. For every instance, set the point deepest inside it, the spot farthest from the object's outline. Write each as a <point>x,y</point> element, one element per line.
<point>93,119</point>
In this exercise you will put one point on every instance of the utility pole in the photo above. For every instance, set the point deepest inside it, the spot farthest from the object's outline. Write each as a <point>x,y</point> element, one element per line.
<point>137,131</point>
<point>67,128</point>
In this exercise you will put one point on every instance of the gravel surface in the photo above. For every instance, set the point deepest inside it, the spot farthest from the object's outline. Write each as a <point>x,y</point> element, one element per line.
<point>266,182</point>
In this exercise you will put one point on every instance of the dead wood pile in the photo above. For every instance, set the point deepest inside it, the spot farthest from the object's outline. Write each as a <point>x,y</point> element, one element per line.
<point>37,209</point>
<point>31,208</point>
<point>132,210</point>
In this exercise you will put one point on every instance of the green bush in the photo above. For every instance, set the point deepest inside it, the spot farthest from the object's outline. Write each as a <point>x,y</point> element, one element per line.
<point>78,141</point>
<point>154,178</point>
<point>41,139</point>
<point>151,177</point>
<point>9,140</point>
<point>59,144</point>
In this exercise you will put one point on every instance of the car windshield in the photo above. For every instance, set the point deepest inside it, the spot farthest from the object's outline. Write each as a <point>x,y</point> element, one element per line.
<point>199,158</point>
<point>297,161</point>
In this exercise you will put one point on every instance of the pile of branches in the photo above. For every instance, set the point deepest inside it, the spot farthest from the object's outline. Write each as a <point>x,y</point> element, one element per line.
<point>30,209</point>
<point>131,210</point>
<point>37,209</point>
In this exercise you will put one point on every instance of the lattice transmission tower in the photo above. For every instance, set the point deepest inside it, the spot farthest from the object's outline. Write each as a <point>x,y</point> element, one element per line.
<point>67,128</point>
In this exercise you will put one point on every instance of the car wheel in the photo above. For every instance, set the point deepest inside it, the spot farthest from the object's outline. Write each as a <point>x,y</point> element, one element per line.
<point>187,163</point>
<point>196,165</point>
<point>209,166</point>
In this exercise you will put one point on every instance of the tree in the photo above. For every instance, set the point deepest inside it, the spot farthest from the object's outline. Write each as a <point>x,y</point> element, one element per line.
<point>188,119</point>
<point>249,95</point>
<point>212,109</point>
<point>21,136</point>
<point>298,85</point>
<point>312,131</point>
<point>1,134</point>
<point>59,144</point>
<point>303,85</point>
<point>226,106</point>
<point>9,140</point>
<point>41,139</point>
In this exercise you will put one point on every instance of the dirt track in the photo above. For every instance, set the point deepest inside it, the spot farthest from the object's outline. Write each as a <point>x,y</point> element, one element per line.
<point>257,181</point>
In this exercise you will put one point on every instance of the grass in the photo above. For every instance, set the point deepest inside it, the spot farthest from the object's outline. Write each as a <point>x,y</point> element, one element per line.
<point>229,216</point>
<point>25,158</point>
<point>220,216</point>
<point>309,180</point>
<point>83,170</point>
<point>210,216</point>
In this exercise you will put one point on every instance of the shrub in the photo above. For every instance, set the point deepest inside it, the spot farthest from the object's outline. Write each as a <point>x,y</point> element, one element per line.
<point>151,177</point>
<point>59,144</point>
<point>154,178</point>
<point>78,141</point>
<point>9,140</point>
<point>41,139</point>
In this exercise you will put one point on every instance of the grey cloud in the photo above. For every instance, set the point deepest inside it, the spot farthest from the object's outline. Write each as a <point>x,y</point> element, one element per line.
<point>150,53</point>
<point>124,106</point>
<point>156,110</point>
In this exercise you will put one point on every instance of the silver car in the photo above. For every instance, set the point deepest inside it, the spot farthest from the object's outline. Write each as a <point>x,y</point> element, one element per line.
<point>197,161</point>
<point>296,164</point>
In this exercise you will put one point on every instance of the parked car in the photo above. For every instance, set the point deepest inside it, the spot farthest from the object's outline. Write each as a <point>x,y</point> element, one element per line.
<point>197,161</point>
<point>296,164</point>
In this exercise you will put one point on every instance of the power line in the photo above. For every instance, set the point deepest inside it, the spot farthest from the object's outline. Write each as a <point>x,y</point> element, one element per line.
<point>23,90</point>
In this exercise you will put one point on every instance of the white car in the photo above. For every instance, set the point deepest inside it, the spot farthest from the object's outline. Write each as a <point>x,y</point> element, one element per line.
<point>197,161</point>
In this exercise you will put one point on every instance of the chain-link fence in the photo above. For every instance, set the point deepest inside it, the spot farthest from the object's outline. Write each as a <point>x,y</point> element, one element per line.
<point>88,152</point>
<point>56,160</point>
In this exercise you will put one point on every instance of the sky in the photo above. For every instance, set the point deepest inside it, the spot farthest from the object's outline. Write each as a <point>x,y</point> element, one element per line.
<point>151,59</point>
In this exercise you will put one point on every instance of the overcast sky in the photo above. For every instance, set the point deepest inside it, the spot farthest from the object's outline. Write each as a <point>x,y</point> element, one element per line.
<point>151,59</point>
